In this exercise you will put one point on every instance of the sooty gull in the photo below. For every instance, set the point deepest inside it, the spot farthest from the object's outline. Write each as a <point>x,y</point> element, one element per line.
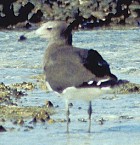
<point>73,72</point>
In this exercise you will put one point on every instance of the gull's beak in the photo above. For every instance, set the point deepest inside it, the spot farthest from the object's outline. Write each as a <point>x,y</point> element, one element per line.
<point>28,35</point>
<point>40,32</point>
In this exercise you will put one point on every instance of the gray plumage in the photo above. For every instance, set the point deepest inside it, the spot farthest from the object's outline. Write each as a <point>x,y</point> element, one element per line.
<point>64,65</point>
<point>70,70</point>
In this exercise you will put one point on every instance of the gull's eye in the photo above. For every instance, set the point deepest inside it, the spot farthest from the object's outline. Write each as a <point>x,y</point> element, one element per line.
<point>49,29</point>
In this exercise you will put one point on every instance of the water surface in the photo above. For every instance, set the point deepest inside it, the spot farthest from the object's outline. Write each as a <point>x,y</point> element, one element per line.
<point>19,61</point>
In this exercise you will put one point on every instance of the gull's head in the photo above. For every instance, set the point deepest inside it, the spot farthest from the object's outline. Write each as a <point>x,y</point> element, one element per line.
<point>52,30</point>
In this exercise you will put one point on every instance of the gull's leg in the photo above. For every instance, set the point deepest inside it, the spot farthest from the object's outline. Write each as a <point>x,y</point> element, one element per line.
<point>89,113</point>
<point>67,115</point>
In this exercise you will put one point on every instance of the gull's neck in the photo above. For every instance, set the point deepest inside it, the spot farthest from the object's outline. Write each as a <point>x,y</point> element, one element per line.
<point>61,40</point>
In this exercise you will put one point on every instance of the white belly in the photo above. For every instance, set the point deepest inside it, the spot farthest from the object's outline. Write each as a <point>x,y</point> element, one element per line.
<point>86,94</point>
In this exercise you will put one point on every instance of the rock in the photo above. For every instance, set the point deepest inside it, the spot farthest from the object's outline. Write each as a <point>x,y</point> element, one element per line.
<point>19,121</point>
<point>24,12</point>
<point>15,90</point>
<point>36,17</point>
<point>28,25</point>
<point>2,129</point>
<point>128,88</point>
<point>49,104</point>
<point>22,38</point>
<point>42,116</point>
<point>101,121</point>
<point>106,13</point>
<point>134,89</point>
<point>79,108</point>
<point>24,85</point>
<point>34,120</point>
<point>17,94</point>
<point>70,105</point>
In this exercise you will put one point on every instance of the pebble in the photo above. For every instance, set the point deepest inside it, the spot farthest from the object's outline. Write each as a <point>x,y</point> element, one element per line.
<point>79,108</point>
<point>101,121</point>
<point>82,120</point>
<point>70,105</point>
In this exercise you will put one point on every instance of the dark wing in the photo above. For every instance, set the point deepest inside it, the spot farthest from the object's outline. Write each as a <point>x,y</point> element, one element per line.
<point>96,64</point>
<point>69,67</point>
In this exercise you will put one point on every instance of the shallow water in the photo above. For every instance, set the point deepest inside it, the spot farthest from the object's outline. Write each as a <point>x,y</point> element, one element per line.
<point>20,61</point>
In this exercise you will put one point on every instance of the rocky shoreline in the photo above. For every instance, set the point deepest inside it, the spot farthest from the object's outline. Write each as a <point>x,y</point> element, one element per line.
<point>11,111</point>
<point>26,116</point>
<point>89,13</point>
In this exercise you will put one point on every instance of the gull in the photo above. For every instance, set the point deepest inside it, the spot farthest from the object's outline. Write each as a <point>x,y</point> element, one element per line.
<point>74,73</point>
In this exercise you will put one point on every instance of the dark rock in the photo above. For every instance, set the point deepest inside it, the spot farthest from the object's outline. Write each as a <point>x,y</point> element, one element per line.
<point>34,120</point>
<point>28,25</point>
<point>57,106</point>
<point>22,38</point>
<point>49,104</point>
<point>137,11</point>
<point>138,23</point>
<point>101,121</point>
<point>79,108</point>
<point>9,18</point>
<point>93,13</point>
<point>24,12</point>
<point>36,17</point>
<point>29,127</point>
<point>17,94</point>
<point>2,129</point>
<point>70,105</point>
